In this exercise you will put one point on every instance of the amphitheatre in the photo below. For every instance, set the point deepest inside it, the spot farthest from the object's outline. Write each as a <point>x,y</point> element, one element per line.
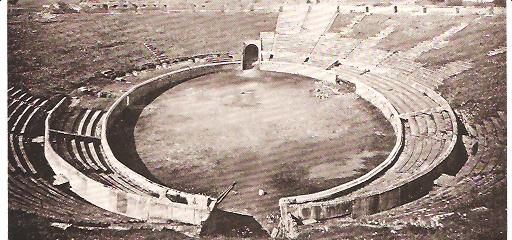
<point>216,119</point>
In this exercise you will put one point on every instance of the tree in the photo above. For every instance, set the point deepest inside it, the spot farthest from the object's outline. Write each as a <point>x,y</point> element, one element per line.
<point>12,2</point>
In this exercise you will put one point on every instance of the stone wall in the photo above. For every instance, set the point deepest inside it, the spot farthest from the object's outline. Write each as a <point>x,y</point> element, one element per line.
<point>152,209</point>
<point>324,205</point>
<point>291,204</point>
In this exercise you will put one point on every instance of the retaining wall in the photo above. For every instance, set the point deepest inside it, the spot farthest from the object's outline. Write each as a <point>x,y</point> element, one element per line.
<point>317,206</point>
<point>147,208</point>
<point>292,204</point>
<point>150,208</point>
<point>136,94</point>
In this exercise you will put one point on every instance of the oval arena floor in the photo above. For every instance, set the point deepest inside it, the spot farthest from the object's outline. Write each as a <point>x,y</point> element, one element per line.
<point>262,130</point>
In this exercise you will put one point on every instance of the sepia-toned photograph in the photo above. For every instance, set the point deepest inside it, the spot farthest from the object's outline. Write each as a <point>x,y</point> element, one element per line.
<point>255,119</point>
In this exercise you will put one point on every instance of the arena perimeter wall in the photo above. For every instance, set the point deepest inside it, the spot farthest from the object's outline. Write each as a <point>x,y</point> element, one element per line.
<point>151,208</point>
<point>324,205</point>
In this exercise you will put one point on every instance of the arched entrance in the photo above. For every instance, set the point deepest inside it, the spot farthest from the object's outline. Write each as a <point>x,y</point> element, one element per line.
<point>250,56</point>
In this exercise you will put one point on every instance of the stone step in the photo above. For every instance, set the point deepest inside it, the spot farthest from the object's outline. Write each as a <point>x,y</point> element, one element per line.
<point>78,155</point>
<point>319,19</point>
<point>41,195</point>
<point>291,19</point>
<point>438,147</point>
<point>424,157</point>
<point>15,156</point>
<point>349,28</point>
<point>66,149</point>
<point>82,148</point>
<point>84,119</point>
<point>97,132</point>
<point>409,159</point>
<point>415,131</point>
<point>20,95</point>
<point>24,156</point>
<point>406,157</point>
<point>431,125</point>
<point>93,122</point>
<point>18,124</point>
<point>13,105</point>
<point>388,91</point>
<point>92,151</point>
<point>399,62</point>
<point>35,118</point>
<point>15,114</point>
<point>435,43</point>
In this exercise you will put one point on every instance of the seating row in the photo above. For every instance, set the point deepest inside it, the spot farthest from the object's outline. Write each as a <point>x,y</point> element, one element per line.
<point>17,156</point>
<point>82,149</point>
<point>318,19</point>
<point>483,171</point>
<point>42,198</point>
<point>437,42</point>
<point>405,98</point>
<point>429,137</point>
<point>487,145</point>
<point>29,186</point>
<point>158,54</point>
<point>291,19</point>
<point>25,112</point>
<point>330,48</point>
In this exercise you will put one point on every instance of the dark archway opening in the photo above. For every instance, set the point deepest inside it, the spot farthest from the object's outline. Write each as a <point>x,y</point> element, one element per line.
<point>250,56</point>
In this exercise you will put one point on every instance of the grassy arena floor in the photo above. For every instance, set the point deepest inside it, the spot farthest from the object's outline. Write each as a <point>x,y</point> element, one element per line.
<point>262,130</point>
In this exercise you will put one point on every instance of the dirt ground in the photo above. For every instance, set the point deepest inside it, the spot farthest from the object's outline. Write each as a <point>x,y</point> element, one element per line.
<point>263,131</point>
<point>58,56</point>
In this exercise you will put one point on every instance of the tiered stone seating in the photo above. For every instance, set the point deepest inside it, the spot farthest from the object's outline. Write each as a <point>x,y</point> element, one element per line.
<point>291,19</point>
<point>365,55</point>
<point>400,62</point>
<point>437,42</point>
<point>427,127</point>
<point>405,98</point>
<point>331,48</point>
<point>454,68</point>
<point>427,77</point>
<point>268,5</point>
<point>365,58</point>
<point>212,5</point>
<point>347,29</point>
<point>179,5</point>
<point>17,105</point>
<point>18,158</point>
<point>429,135</point>
<point>296,36</point>
<point>158,54</point>
<point>407,69</point>
<point>489,142</point>
<point>292,47</point>
<point>267,40</point>
<point>30,187</point>
<point>474,176</point>
<point>40,197</point>
<point>420,154</point>
<point>24,115</point>
<point>318,19</point>
<point>23,111</point>
<point>82,148</point>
